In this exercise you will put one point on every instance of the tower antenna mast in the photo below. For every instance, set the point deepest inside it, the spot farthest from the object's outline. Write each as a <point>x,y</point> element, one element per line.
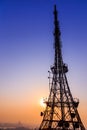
<point>61,108</point>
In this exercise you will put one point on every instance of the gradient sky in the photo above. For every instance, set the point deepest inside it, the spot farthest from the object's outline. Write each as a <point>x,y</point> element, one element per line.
<point>26,54</point>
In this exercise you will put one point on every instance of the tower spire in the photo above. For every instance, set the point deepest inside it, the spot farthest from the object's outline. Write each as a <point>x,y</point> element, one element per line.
<point>57,43</point>
<point>61,108</point>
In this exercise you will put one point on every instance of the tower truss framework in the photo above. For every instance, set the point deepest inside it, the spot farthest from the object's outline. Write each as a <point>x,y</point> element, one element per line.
<point>61,108</point>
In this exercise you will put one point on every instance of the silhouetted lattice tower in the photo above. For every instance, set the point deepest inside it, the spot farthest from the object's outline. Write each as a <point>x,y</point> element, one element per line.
<point>61,108</point>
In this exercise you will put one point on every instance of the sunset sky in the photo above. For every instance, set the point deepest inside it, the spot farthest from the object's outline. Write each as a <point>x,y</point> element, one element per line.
<point>26,54</point>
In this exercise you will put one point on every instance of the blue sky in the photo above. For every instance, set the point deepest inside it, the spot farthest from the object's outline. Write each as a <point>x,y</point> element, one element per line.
<point>26,50</point>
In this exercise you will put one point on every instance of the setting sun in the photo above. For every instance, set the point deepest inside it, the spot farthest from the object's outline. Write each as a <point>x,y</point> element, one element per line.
<point>42,103</point>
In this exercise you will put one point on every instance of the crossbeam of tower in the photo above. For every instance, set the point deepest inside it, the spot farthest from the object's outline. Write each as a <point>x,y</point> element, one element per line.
<point>61,108</point>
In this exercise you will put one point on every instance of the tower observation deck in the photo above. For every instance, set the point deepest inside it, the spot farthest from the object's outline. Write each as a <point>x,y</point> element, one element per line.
<point>61,108</point>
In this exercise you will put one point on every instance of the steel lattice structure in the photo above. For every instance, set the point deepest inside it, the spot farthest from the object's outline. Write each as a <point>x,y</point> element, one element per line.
<point>61,108</point>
